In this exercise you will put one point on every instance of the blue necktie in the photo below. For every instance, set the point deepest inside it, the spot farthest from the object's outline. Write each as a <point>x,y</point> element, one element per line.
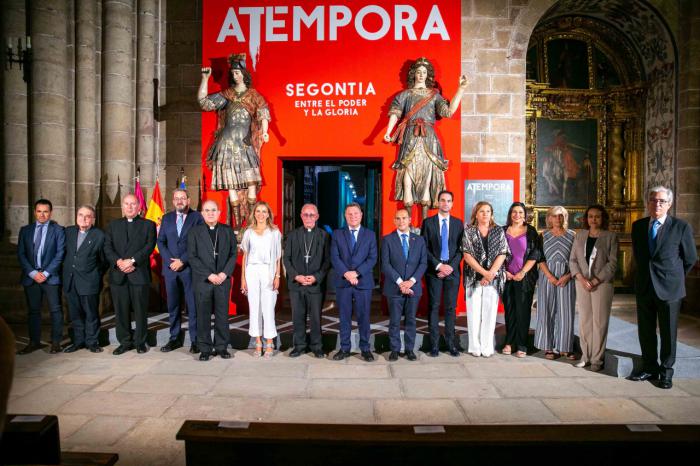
<point>404,245</point>
<point>37,244</point>
<point>354,239</point>
<point>653,233</point>
<point>178,224</point>
<point>444,247</point>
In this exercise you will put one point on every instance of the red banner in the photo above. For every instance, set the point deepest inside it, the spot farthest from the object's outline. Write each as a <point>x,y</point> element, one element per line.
<point>329,73</point>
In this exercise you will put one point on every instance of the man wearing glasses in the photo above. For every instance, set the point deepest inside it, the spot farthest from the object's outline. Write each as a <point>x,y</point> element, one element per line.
<point>664,250</point>
<point>306,261</point>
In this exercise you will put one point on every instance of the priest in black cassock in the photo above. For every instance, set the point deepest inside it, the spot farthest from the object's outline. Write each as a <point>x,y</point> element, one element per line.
<point>306,261</point>
<point>211,248</point>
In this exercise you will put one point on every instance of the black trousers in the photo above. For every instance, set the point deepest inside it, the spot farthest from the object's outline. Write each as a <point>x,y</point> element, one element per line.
<point>127,297</point>
<point>306,304</point>
<point>440,290</point>
<point>212,299</point>
<point>84,316</point>
<point>650,309</point>
<point>517,304</point>
<point>35,297</point>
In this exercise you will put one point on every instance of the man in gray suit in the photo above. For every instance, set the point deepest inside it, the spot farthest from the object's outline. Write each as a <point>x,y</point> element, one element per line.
<point>664,250</point>
<point>83,266</point>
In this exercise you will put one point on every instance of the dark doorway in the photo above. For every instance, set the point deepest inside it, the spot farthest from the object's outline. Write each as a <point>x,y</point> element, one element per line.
<point>331,186</point>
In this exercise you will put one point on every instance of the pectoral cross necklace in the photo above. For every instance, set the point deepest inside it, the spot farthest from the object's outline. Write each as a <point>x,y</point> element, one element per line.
<point>307,250</point>
<point>215,242</point>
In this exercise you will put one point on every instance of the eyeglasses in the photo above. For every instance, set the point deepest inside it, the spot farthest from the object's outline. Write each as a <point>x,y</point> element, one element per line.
<point>309,215</point>
<point>658,201</point>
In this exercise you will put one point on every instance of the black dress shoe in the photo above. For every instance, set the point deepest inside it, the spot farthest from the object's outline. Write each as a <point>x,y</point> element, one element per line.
<point>367,356</point>
<point>121,349</point>
<point>95,349</point>
<point>319,354</point>
<point>434,353</point>
<point>411,356</point>
<point>171,345</point>
<point>295,353</point>
<point>72,348</point>
<point>340,355</point>
<point>223,354</point>
<point>204,356</point>
<point>642,376</point>
<point>55,348</point>
<point>393,356</point>
<point>453,352</point>
<point>30,348</point>
<point>665,383</point>
<point>194,349</point>
<point>142,349</point>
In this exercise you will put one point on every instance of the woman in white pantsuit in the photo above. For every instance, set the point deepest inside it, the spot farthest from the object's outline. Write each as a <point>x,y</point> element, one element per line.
<point>485,250</point>
<point>260,275</point>
<point>593,263</point>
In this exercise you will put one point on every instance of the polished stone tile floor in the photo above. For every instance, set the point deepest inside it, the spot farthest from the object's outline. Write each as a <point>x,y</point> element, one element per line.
<point>134,404</point>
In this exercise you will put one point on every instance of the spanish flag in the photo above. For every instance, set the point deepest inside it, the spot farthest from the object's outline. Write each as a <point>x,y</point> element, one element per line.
<point>155,214</point>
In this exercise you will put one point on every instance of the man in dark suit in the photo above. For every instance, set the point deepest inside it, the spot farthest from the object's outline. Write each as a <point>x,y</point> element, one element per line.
<point>306,261</point>
<point>443,236</point>
<point>404,260</point>
<point>129,242</point>
<point>172,245</point>
<point>664,252</point>
<point>353,256</point>
<point>82,279</point>
<point>211,248</point>
<point>40,252</point>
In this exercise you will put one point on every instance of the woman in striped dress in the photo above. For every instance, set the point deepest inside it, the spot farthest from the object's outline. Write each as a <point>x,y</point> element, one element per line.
<point>556,294</point>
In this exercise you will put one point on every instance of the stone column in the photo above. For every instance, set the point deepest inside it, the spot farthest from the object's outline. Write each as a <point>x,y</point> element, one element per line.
<point>687,197</point>
<point>14,112</point>
<point>49,147</point>
<point>145,135</point>
<point>86,134</point>
<point>117,106</point>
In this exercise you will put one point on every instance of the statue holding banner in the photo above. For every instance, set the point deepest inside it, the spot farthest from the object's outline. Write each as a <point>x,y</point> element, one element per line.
<point>420,166</point>
<point>234,156</point>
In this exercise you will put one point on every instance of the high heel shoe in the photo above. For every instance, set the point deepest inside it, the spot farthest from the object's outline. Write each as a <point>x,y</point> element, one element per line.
<point>269,349</point>
<point>258,349</point>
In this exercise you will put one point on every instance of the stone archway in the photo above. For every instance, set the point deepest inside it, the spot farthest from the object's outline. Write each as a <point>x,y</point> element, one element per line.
<point>654,42</point>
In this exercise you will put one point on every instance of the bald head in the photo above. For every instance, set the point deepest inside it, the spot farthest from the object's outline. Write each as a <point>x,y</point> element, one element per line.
<point>210,212</point>
<point>130,206</point>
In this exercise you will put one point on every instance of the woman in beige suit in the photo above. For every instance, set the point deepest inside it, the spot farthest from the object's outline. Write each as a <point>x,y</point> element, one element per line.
<point>593,262</point>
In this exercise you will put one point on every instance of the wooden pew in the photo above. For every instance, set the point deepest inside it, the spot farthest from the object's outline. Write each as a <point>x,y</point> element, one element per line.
<point>209,443</point>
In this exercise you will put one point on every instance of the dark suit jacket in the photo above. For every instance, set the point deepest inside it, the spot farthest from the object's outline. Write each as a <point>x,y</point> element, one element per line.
<point>51,256</point>
<point>664,268</point>
<point>172,246</point>
<point>395,265</point>
<point>201,253</point>
<point>362,260</point>
<point>139,246</point>
<point>319,262</point>
<point>430,230</point>
<point>86,265</point>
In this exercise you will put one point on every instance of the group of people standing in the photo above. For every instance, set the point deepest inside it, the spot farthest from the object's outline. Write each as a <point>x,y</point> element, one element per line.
<point>568,271</point>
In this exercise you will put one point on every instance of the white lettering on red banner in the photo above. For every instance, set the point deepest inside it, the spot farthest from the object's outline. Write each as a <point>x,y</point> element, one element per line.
<point>327,22</point>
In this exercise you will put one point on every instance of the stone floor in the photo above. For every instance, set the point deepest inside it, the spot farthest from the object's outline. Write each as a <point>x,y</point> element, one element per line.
<point>134,404</point>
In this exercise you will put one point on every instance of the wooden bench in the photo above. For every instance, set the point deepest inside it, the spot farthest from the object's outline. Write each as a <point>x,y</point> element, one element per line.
<point>208,443</point>
<point>32,439</point>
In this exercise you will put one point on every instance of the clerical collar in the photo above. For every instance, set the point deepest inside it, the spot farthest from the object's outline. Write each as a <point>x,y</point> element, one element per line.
<point>213,227</point>
<point>309,230</point>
